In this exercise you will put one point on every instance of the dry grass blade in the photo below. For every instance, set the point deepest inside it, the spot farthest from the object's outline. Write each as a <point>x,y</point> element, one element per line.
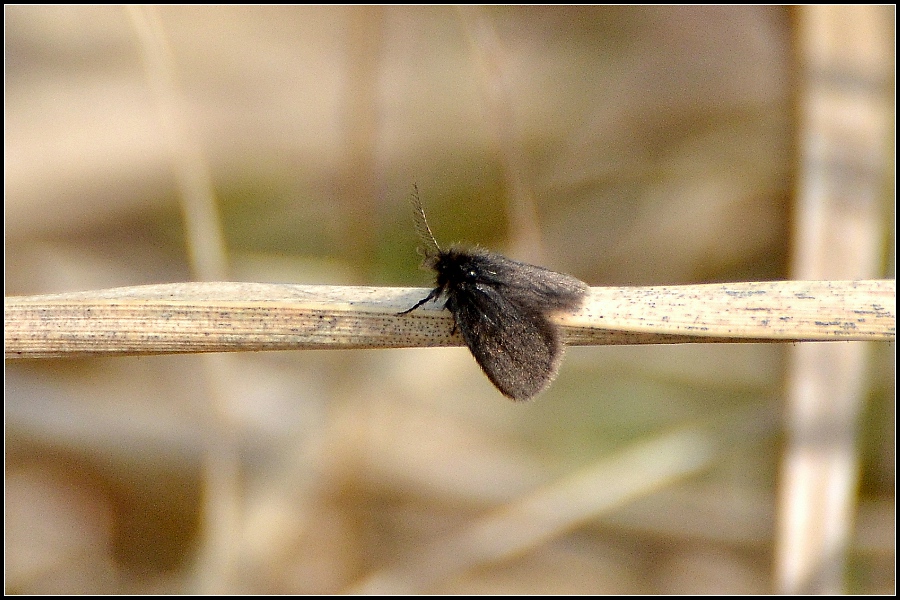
<point>231,317</point>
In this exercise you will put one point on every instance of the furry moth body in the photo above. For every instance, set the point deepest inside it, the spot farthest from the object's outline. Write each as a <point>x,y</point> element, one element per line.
<point>501,307</point>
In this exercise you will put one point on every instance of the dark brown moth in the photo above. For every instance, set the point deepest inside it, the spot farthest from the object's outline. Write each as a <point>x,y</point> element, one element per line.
<point>502,309</point>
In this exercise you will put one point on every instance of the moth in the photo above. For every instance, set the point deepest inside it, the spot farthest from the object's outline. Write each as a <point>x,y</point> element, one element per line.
<point>502,309</point>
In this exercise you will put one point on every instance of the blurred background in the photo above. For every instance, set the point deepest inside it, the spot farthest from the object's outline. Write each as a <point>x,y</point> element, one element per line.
<point>626,146</point>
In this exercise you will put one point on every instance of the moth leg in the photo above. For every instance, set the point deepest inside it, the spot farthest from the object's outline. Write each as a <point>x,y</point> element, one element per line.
<point>432,295</point>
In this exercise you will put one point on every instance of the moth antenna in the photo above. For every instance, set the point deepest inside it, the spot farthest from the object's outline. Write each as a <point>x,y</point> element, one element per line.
<point>431,246</point>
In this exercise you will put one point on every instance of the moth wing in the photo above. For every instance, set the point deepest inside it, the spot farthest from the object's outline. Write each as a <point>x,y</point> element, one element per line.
<point>516,346</point>
<point>529,286</point>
